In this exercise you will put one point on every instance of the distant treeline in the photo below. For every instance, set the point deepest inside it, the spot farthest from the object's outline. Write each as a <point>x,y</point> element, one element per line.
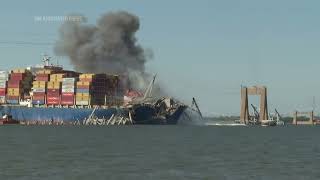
<point>286,119</point>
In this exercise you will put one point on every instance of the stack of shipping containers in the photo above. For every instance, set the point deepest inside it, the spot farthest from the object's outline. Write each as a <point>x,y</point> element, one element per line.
<point>68,91</point>
<point>54,89</point>
<point>40,87</point>
<point>99,89</point>
<point>3,86</point>
<point>83,92</point>
<point>39,92</point>
<point>112,83</point>
<point>19,85</point>
<point>61,89</point>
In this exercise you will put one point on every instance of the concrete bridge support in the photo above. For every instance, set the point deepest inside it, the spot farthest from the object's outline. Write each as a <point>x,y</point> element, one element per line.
<point>255,90</point>
<point>297,122</point>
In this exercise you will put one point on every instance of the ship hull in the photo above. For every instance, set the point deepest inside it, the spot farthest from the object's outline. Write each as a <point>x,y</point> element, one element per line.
<point>144,116</point>
<point>184,115</point>
<point>20,113</point>
<point>147,115</point>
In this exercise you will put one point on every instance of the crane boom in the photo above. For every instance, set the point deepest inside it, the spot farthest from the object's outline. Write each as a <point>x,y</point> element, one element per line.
<point>256,113</point>
<point>198,109</point>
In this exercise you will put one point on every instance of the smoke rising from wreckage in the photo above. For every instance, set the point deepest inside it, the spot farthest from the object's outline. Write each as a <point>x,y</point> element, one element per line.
<point>110,47</point>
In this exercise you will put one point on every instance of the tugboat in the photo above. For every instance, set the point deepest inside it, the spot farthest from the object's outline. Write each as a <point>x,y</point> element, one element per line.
<point>7,119</point>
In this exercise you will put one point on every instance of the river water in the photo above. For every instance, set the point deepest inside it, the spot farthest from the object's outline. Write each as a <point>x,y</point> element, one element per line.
<point>159,152</point>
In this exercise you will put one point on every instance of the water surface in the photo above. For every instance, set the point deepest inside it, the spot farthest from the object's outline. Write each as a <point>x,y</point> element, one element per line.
<point>159,152</point>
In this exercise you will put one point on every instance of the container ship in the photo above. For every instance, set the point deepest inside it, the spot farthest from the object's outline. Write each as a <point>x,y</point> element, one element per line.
<point>48,93</point>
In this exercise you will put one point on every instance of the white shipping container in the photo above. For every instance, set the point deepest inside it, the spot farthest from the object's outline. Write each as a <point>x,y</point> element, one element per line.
<point>42,90</point>
<point>3,72</point>
<point>2,99</point>
<point>68,90</point>
<point>68,86</point>
<point>4,78</point>
<point>4,75</point>
<point>82,103</point>
<point>69,80</point>
<point>3,85</point>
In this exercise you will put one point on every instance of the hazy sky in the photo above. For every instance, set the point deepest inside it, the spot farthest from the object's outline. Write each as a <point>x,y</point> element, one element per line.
<point>203,48</point>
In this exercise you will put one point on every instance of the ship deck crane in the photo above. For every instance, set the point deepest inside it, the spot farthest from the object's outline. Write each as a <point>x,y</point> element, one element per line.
<point>279,122</point>
<point>256,116</point>
<point>148,92</point>
<point>277,114</point>
<point>194,102</point>
<point>256,113</point>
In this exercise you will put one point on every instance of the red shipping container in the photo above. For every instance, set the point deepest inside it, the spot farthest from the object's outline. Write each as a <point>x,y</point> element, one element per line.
<point>53,102</point>
<point>53,98</point>
<point>39,94</point>
<point>17,76</point>
<point>14,84</point>
<point>3,91</point>
<point>13,97</point>
<point>53,94</point>
<point>53,91</point>
<point>38,97</point>
<point>16,79</point>
<point>67,100</point>
<point>67,97</point>
<point>68,94</point>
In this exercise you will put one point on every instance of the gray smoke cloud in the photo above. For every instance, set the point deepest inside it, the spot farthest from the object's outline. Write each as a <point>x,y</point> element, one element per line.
<point>109,46</point>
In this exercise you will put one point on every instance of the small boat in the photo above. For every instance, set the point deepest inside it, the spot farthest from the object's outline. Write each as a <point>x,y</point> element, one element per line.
<point>7,119</point>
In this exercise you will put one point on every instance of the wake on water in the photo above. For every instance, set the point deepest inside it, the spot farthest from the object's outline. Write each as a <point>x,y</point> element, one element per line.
<point>192,117</point>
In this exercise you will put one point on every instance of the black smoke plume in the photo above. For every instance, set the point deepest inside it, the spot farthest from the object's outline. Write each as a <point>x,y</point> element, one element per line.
<point>110,47</point>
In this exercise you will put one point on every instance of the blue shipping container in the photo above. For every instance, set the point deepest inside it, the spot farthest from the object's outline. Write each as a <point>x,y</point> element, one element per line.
<point>12,101</point>
<point>83,90</point>
<point>40,102</point>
